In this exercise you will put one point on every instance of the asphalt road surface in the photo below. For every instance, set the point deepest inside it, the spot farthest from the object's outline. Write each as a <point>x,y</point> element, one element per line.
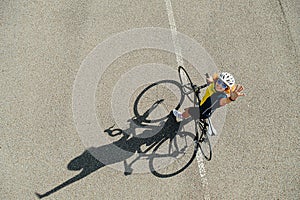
<point>45,46</point>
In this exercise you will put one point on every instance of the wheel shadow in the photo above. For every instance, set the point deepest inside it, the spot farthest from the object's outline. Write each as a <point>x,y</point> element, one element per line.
<point>110,154</point>
<point>95,158</point>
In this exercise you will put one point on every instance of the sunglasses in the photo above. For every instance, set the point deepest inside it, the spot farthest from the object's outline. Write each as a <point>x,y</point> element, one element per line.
<point>220,82</point>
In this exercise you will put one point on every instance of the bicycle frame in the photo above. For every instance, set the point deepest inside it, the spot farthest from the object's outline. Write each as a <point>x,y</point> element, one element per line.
<point>189,88</point>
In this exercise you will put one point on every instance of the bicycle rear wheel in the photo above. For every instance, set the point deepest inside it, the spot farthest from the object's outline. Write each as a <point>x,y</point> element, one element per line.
<point>204,143</point>
<point>170,158</point>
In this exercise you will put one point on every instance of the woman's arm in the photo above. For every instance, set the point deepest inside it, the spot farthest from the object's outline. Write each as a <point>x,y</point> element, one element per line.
<point>233,95</point>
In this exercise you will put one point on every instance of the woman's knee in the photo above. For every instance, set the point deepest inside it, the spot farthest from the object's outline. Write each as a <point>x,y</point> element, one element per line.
<point>186,113</point>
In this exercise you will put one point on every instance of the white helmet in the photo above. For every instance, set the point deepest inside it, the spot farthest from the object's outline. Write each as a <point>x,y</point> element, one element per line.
<point>227,79</point>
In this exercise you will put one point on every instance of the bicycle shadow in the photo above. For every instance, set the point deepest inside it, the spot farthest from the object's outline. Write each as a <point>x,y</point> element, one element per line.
<point>109,154</point>
<point>124,148</point>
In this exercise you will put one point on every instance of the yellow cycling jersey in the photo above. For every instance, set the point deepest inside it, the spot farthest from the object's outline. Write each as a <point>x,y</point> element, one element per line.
<point>210,101</point>
<point>210,90</point>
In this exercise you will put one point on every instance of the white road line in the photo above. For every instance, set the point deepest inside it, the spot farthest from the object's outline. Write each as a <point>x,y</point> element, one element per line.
<point>179,60</point>
<point>174,32</point>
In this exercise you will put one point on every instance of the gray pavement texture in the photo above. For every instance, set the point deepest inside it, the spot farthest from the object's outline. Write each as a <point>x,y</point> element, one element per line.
<point>43,44</point>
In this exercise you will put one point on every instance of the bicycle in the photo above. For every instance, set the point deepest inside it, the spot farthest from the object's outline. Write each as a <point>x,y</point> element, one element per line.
<point>200,124</point>
<point>181,150</point>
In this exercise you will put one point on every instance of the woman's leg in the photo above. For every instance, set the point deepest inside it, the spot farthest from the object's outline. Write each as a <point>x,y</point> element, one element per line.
<point>186,113</point>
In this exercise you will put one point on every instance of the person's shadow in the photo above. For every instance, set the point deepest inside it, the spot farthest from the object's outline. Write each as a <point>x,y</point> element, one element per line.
<point>118,151</point>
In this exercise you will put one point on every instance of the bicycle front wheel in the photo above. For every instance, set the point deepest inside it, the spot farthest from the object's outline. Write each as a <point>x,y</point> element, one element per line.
<point>204,143</point>
<point>185,81</point>
<point>187,85</point>
<point>171,157</point>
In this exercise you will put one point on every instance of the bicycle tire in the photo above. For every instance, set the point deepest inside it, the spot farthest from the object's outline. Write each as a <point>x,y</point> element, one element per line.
<point>161,97</point>
<point>188,86</point>
<point>167,164</point>
<point>204,143</point>
<point>185,80</point>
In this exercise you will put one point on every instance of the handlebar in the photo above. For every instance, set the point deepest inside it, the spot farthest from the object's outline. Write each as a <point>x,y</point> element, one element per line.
<point>197,88</point>
<point>203,86</point>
